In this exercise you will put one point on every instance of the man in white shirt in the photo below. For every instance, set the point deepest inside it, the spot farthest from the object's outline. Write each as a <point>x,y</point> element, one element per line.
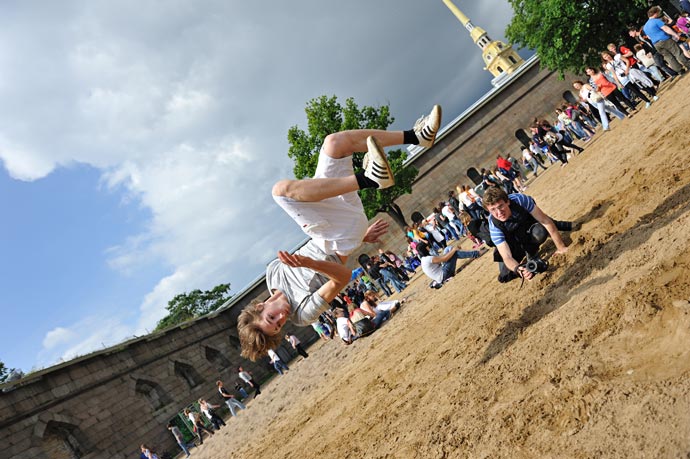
<point>441,268</point>
<point>278,364</point>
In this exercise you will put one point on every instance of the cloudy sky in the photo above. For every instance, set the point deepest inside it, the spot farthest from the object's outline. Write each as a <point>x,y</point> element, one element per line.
<point>139,141</point>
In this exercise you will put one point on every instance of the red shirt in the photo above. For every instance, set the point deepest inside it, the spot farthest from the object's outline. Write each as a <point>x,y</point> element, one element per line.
<point>603,85</point>
<point>504,164</point>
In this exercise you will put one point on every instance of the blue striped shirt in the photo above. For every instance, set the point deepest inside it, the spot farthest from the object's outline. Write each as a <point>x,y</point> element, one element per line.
<point>524,201</point>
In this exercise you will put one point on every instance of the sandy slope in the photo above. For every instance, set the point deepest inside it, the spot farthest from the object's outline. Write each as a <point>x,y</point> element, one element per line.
<point>589,360</point>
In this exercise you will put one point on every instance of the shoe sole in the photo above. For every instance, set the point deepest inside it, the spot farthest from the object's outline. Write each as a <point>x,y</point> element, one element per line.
<point>430,137</point>
<point>381,171</point>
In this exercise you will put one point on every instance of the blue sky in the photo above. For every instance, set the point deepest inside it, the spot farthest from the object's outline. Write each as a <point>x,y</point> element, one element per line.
<point>139,142</point>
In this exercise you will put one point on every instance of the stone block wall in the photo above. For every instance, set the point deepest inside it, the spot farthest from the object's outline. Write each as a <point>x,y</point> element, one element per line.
<point>106,404</point>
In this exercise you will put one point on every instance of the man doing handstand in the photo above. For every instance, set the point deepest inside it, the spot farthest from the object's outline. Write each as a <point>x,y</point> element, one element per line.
<point>329,210</point>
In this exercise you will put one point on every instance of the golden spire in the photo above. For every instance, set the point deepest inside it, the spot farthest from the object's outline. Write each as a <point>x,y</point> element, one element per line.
<point>499,58</point>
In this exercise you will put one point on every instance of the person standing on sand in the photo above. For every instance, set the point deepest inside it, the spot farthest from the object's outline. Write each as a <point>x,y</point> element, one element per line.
<point>179,438</point>
<point>198,424</point>
<point>278,364</point>
<point>230,399</point>
<point>247,378</point>
<point>296,344</point>
<point>329,210</point>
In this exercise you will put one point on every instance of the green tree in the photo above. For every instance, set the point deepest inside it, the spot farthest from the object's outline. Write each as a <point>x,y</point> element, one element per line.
<point>196,303</point>
<point>568,35</point>
<point>325,115</point>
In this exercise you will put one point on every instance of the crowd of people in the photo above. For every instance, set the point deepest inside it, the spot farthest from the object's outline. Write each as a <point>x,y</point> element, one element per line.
<point>313,286</point>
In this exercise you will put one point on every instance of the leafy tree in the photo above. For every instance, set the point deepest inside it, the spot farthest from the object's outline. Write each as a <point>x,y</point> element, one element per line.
<point>325,115</point>
<point>568,35</point>
<point>196,303</point>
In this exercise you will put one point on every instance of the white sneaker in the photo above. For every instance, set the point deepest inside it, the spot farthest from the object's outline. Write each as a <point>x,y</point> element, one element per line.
<point>376,165</point>
<point>655,98</point>
<point>647,104</point>
<point>427,126</point>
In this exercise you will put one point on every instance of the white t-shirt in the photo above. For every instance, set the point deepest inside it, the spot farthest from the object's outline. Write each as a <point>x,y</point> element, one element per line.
<point>448,212</point>
<point>300,285</point>
<point>343,329</point>
<point>526,154</point>
<point>646,60</point>
<point>244,376</point>
<point>431,269</point>
<point>272,354</point>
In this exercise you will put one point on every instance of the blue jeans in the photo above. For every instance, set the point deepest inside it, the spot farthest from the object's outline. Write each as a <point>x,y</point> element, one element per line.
<point>183,445</point>
<point>233,403</point>
<point>449,266</point>
<point>389,276</point>
<point>381,317</point>
<point>384,287</point>
<point>280,366</point>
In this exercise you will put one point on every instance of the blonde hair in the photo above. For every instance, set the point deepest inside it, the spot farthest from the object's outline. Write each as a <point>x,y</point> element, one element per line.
<point>254,341</point>
<point>465,218</point>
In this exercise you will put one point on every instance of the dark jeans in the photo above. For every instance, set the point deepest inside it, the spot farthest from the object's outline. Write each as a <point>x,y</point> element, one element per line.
<point>301,351</point>
<point>449,266</point>
<point>505,275</point>
<point>384,287</point>
<point>381,316</point>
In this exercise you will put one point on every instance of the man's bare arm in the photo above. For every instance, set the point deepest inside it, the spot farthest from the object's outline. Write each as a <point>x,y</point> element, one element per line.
<point>338,274</point>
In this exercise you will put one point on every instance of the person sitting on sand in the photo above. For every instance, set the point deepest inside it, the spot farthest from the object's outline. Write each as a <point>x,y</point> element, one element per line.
<point>346,330</point>
<point>440,269</point>
<point>378,312</point>
<point>518,227</point>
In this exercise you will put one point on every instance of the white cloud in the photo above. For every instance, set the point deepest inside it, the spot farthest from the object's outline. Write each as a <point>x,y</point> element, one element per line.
<point>57,336</point>
<point>87,335</point>
<point>185,110</point>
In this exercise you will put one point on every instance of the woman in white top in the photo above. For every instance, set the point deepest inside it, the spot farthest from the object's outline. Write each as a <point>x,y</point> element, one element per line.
<point>594,97</point>
<point>620,69</point>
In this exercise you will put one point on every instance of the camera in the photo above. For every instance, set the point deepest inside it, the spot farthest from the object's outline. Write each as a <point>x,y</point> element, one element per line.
<point>536,265</point>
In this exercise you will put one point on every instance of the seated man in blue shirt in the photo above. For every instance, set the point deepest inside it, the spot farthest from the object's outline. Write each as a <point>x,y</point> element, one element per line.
<point>518,227</point>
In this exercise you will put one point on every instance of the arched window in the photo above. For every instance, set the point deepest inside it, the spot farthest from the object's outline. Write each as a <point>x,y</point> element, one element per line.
<point>522,136</point>
<point>500,69</point>
<point>188,373</point>
<point>153,392</point>
<point>216,358</point>
<point>61,439</point>
<point>512,59</point>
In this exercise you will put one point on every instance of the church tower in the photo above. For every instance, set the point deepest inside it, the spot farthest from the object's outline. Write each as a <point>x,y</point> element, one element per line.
<point>499,58</point>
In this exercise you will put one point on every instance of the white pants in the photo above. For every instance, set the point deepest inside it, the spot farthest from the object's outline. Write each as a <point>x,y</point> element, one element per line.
<point>336,225</point>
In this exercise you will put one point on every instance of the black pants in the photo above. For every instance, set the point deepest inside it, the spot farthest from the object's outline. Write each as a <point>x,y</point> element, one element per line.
<point>637,90</point>
<point>504,274</point>
<point>255,385</point>
<point>199,428</point>
<point>216,421</point>
<point>301,351</point>
<point>618,99</point>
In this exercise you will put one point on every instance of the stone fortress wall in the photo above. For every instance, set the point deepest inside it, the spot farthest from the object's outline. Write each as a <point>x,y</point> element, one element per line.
<point>105,404</point>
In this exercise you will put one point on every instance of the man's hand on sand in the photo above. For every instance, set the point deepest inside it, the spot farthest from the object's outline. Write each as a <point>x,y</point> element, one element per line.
<point>293,260</point>
<point>375,231</point>
<point>562,251</point>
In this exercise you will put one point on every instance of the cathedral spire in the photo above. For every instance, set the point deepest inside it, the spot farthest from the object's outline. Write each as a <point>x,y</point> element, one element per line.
<point>499,58</point>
